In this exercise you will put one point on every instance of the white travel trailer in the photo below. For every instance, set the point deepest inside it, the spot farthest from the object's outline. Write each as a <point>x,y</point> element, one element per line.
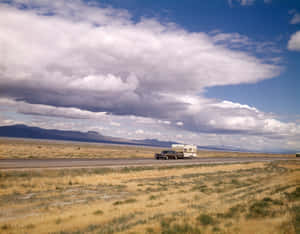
<point>187,150</point>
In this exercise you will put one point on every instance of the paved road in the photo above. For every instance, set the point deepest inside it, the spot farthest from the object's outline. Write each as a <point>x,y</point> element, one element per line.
<point>84,163</point>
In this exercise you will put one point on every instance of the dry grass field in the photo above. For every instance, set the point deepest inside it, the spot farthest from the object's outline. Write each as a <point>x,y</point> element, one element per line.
<point>236,198</point>
<point>25,148</point>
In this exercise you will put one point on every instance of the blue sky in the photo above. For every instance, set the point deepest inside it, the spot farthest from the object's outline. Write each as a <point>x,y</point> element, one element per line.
<point>260,21</point>
<point>218,72</point>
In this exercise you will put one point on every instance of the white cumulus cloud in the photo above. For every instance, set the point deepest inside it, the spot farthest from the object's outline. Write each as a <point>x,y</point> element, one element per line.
<point>294,42</point>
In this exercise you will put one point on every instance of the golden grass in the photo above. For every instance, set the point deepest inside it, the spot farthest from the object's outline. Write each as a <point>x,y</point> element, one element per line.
<point>27,148</point>
<point>152,200</point>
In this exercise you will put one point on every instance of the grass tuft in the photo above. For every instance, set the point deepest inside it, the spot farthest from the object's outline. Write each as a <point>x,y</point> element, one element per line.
<point>149,230</point>
<point>296,218</point>
<point>293,196</point>
<point>58,221</point>
<point>205,219</point>
<point>167,228</point>
<point>30,226</point>
<point>233,212</point>
<point>259,209</point>
<point>152,197</point>
<point>131,200</point>
<point>5,226</point>
<point>98,212</point>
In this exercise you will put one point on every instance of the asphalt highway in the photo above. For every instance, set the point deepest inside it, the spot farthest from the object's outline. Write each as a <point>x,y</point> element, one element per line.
<point>6,164</point>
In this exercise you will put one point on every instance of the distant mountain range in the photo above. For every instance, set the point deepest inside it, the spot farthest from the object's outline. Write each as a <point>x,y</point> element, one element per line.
<point>23,131</point>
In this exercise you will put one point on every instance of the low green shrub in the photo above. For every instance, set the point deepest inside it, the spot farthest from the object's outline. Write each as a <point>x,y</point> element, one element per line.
<point>205,219</point>
<point>98,212</point>
<point>259,209</point>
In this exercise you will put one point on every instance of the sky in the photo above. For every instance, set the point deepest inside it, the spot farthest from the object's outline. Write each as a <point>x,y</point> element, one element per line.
<point>211,73</point>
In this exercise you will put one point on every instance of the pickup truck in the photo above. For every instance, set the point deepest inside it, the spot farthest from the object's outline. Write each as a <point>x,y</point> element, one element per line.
<point>169,154</point>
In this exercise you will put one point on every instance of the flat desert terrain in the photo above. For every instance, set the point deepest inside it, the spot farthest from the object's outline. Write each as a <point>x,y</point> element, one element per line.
<point>27,148</point>
<point>235,198</point>
<point>250,197</point>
